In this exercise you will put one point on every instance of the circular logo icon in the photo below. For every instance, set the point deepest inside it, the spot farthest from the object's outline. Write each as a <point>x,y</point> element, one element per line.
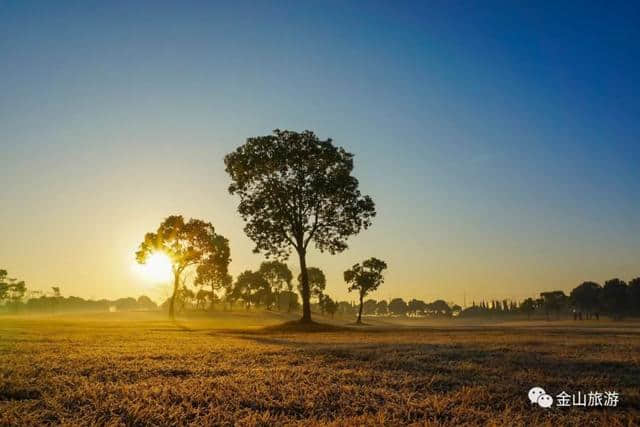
<point>545,401</point>
<point>535,393</point>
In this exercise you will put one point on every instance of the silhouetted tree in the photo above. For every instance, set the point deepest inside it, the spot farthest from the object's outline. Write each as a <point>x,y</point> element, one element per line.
<point>634,295</point>
<point>213,270</point>
<point>456,310</point>
<point>439,308</point>
<point>365,279</point>
<point>416,307</point>
<point>553,302</point>
<point>11,290</point>
<point>202,296</point>
<point>369,307</point>
<point>528,306</point>
<point>278,275</point>
<point>288,300</point>
<point>382,308</point>
<point>615,298</point>
<point>317,282</point>
<point>295,188</point>
<point>252,288</point>
<point>586,297</point>
<point>330,306</point>
<point>186,244</point>
<point>398,307</point>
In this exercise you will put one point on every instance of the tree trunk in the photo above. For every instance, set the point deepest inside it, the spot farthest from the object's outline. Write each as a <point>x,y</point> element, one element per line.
<point>360,311</point>
<point>306,304</point>
<point>212,297</point>
<point>176,285</point>
<point>290,301</point>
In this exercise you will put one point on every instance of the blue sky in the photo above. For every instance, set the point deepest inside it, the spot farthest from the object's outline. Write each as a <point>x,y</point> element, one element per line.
<point>500,141</point>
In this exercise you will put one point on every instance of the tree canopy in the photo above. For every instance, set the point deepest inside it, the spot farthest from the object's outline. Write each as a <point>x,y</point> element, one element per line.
<point>296,189</point>
<point>277,274</point>
<point>365,279</point>
<point>11,289</point>
<point>187,244</point>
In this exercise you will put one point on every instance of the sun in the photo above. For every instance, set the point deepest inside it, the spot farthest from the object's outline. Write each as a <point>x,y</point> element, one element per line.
<point>158,268</point>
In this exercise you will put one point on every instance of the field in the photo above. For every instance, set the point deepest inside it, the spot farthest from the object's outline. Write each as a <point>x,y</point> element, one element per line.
<point>139,369</point>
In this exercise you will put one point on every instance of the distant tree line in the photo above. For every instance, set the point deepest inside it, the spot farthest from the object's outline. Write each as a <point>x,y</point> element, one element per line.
<point>16,299</point>
<point>271,287</point>
<point>616,299</point>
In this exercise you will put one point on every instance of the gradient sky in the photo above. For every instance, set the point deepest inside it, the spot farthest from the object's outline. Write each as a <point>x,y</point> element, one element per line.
<point>500,142</point>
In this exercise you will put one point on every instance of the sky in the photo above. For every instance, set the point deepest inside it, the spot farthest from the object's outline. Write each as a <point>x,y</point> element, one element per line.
<point>500,141</point>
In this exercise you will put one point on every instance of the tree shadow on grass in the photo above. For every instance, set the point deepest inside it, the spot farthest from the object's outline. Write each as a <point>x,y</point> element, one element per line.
<point>452,367</point>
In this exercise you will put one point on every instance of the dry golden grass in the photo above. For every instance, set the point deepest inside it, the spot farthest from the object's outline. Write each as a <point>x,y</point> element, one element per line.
<point>143,370</point>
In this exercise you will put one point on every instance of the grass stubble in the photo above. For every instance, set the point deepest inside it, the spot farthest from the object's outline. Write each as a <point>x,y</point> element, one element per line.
<point>148,371</point>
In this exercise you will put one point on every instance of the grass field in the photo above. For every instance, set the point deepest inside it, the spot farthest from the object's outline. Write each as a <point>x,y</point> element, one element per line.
<point>140,369</point>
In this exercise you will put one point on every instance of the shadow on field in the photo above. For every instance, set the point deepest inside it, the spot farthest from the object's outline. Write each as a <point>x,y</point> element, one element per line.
<point>292,326</point>
<point>452,367</point>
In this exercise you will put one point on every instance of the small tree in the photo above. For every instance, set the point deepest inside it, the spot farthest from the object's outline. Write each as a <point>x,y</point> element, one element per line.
<point>252,288</point>
<point>295,188</point>
<point>279,277</point>
<point>187,244</point>
<point>288,300</point>
<point>439,308</point>
<point>317,282</point>
<point>382,308</point>
<point>416,306</point>
<point>398,307</point>
<point>365,279</point>
<point>369,307</point>
<point>213,271</point>
<point>586,297</point>
<point>11,290</point>
<point>615,295</point>
<point>554,301</point>
<point>528,306</point>
<point>330,306</point>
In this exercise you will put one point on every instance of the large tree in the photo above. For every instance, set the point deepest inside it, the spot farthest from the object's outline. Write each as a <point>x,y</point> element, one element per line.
<point>365,278</point>
<point>294,189</point>
<point>186,244</point>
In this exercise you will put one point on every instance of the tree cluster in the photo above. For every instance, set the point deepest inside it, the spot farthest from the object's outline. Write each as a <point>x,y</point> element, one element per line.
<point>24,301</point>
<point>616,299</point>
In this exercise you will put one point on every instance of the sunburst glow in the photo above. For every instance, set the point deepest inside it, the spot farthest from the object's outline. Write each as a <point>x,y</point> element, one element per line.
<point>158,268</point>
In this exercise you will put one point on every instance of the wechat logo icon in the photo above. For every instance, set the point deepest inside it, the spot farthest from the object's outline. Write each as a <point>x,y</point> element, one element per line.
<point>539,396</point>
